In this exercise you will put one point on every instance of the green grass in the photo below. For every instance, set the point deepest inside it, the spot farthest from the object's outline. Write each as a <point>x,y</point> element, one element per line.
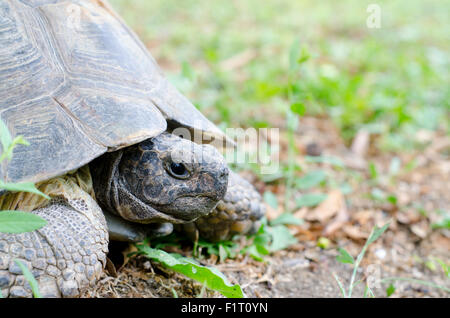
<point>17,221</point>
<point>392,81</point>
<point>209,276</point>
<point>257,64</point>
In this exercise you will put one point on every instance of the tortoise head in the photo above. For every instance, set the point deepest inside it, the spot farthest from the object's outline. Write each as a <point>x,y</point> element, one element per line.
<point>162,179</point>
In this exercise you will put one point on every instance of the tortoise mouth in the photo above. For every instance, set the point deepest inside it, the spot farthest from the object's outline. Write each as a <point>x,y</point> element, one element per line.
<point>189,207</point>
<point>182,209</point>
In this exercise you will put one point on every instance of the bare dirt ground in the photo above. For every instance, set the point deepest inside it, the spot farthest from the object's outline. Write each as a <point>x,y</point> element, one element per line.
<point>408,249</point>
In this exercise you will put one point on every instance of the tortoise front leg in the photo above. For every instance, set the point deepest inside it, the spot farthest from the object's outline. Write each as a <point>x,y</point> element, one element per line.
<point>66,256</point>
<point>120,229</point>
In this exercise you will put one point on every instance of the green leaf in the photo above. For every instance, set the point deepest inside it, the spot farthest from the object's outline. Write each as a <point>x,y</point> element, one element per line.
<point>394,166</point>
<point>376,233</point>
<point>268,178</point>
<point>444,224</point>
<point>30,279</point>
<point>5,136</point>
<point>294,54</point>
<point>344,257</point>
<point>210,276</point>
<point>304,56</point>
<point>378,194</point>
<point>430,265</point>
<point>262,239</point>
<point>271,199</point>
<point>310,180</point>
<point>392,199</point>
<point>445,267</point>
<point>19,140</point>
<point>310,200</point>
<point>223,254</point>
<point>7,142</point>
<point>298,108</point>
<point>187,71</point>
<point>281,238</point>
<point>255,253</point>
<point>19,222</point>
<point>286,218</point>
<point>9,150</point>
<point>390,290</point>
<point>373,171</point>
<point>346,188</point>
<point>22,187</point>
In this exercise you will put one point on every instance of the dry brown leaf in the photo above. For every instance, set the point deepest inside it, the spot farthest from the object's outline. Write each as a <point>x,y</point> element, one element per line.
<point>437,145</point>
<point>354,162</point>
<point>130,249</point>
<point>239,60</point>
<point>420,229</point>
<point>408,217</point>
<point>110,268</point>
<point>338,222</point>
<point>304,234</point>
<point>360,143</point>
<point>301,213</point>
<point>440,242</point>
<point>328,208</point>
<point>272,213</point>
<point>354,232</point>
<point>364,216</point>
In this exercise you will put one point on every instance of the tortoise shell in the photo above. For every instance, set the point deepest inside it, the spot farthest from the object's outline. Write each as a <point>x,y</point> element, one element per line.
<point>76,82</point>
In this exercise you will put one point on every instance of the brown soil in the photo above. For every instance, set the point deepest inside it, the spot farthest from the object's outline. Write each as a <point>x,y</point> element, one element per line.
<point>408,249</point>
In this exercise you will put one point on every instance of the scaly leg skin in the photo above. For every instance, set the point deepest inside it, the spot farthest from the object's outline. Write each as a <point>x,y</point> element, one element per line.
<point>66,256</point>
<point>238,213</point>
<point>120,229</point>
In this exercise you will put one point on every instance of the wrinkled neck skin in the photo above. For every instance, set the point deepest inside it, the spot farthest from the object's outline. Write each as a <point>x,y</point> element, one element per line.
<point>133,182</point>
<point>113,196</point>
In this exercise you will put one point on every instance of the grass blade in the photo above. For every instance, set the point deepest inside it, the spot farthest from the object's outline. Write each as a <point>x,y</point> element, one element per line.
<point>30,279</point>
<point>341,287</point>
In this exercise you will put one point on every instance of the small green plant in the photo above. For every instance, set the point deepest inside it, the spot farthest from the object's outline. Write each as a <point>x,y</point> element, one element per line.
<point>223,249</point>
<point>268,239</point>
<point>391,289</point>
<point>297,56</point>
<point>30,279</point>
<point>444,223</point>
<point>209,276</point>
<point>18,221</point>
<point>271,237</point>
<point>345,258</point>
<point>310,199</point>
<point>310,180</point>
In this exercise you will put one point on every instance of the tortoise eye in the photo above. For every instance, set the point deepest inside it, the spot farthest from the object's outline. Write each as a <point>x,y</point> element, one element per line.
<point>178,170</point>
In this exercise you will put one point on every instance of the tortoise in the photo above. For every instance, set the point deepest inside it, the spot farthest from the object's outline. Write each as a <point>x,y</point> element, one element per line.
<point>101,120</point>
